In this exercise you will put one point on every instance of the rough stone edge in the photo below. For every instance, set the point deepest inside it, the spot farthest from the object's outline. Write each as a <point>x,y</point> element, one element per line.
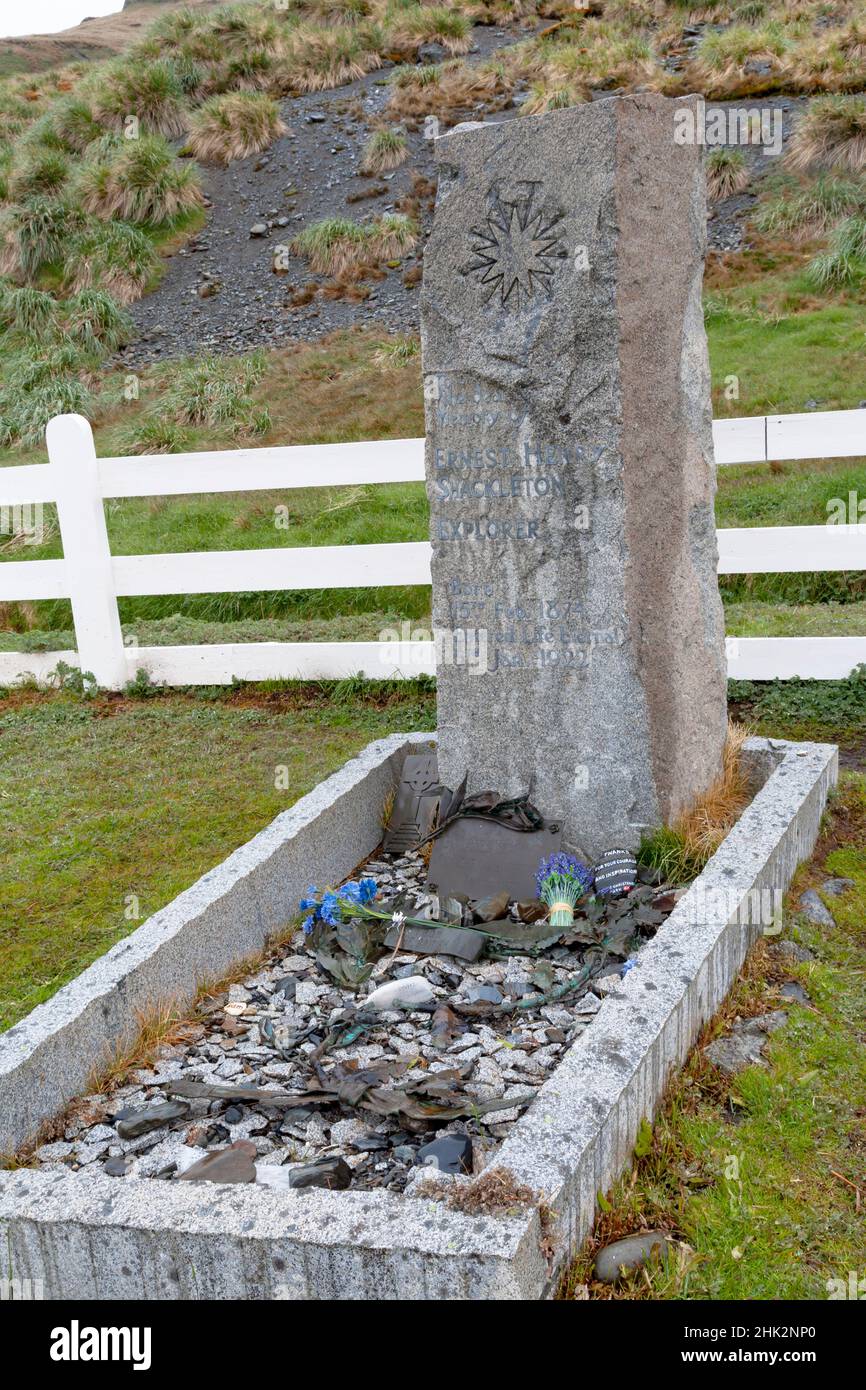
<point>86,1235</point>
<point>227,914</point>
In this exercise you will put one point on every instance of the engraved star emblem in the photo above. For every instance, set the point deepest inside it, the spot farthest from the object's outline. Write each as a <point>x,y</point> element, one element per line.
<point>516,254</point>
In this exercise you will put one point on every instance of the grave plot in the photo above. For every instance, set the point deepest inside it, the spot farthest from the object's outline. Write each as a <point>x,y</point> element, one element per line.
<point>368,1048</point>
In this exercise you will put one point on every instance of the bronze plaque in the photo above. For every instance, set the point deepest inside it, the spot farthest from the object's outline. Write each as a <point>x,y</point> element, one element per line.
<point>415,805</point>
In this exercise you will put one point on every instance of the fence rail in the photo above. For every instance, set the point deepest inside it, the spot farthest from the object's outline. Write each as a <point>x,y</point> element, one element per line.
<point>93,579</point>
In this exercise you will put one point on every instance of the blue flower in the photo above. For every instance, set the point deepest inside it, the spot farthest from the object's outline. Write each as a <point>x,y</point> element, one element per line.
<point>309,923</point>
<point>369,889</point>
<point>350,892</point>
<point>330,910</point>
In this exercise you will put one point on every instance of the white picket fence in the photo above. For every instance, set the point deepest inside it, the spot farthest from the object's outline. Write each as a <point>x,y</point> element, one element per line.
<point>93,579</point>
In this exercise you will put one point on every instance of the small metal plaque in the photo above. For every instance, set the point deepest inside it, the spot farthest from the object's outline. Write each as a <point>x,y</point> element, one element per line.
<point>415,805</point>
<point>479,858</point>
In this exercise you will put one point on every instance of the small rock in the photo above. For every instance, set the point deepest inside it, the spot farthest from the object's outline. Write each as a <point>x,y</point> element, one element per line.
<point>812,907</point>
<point>152,1118</point>
<point>629,1253</point>
<point>346,1131</point>
<point>491,909</point>
<point>54,1153</point>
<point>792,990</point>
<point>234,1164</point>
<point>483,994</point>
<point>451,1153</point>
<point>408,993</point>
<point>259,229</point>
<point>744,1045</point>
<point>333,1173</point>
<point>835,887</point>
<point>607,983</point>
<point>369,1143</point>
<point>116,1167</point>
<point>794,951</point>
<point>559,1017</point>
<point>308,992</point>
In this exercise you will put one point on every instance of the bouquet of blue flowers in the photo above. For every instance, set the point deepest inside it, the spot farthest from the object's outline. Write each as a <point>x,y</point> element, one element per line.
<point>333,907</point>
<point>561,881</point>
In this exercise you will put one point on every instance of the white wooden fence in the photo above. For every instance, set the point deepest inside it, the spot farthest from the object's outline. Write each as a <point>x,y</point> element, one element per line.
<point>93,579</point>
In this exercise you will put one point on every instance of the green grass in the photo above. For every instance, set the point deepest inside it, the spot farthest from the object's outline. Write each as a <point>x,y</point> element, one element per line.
<point>107,799</point>
<point>781,362</point>
<point>758,1174</point>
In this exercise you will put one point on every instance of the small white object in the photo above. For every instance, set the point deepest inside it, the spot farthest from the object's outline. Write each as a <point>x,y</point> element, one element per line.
<point>401,994</point>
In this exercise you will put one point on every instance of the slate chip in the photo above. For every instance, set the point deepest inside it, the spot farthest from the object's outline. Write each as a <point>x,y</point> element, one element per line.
<point>333,1173</point>
<point>137,1122</point>
<point>451,1153</point>
<point>234,1164</point>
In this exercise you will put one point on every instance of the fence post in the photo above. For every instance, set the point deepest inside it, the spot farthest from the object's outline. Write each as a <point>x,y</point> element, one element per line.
<point>86,551</point>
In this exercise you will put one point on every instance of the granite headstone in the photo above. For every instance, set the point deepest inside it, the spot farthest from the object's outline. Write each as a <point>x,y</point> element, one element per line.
<point>570,470</point>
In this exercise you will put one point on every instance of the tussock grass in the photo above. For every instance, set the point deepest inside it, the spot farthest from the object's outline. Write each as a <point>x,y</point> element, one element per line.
<point>597,53</point>
<point>138,181</point>
<point>254,71</point>
<point>114,256</point>
<point>24,414</point>
<point>340,247</point>
<point>681,850</point>
<point>34,235</point>
<point>242,27</point>
<point>95,322</point>
<point>448,90</point>
<point>844,264</point>
<point>234,126</point>
<point>397,352</point>
<point>323,58</point>
<point>27,310</point>
<point>542,97</point>
<point>395,234</point>
<point>40,172</point>
<point>153,434</point>
<point>149,91</point>
<point>332,246</point>
<point>830,135</point>
<point>727,173</point>
<point>812,209</point>
<point>386,149</point>
<point>73,124</point>
<point>216,392</point>
<point>436,24</point>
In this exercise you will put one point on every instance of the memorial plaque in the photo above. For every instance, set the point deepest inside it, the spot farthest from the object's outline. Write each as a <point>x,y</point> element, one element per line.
<point>579,630</point>
<point>415,805</point>
<point>479,858</point>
